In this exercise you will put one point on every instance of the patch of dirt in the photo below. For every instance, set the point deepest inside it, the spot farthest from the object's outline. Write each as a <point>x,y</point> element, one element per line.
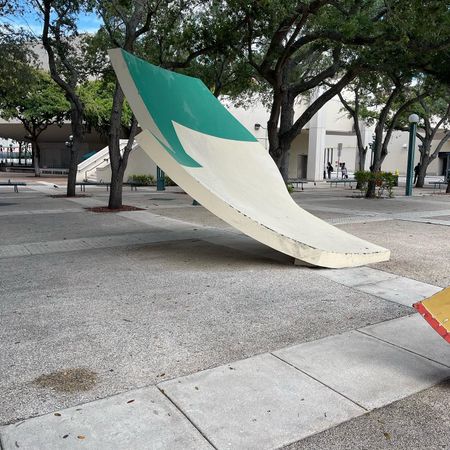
<point>105,209</point>
<point>68,380</point>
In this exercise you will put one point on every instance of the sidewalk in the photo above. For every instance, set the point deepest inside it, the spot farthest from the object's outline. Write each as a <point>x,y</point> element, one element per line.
<point>200,337</point>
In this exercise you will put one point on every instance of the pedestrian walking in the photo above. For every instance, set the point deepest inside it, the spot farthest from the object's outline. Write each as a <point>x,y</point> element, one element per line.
<point>329,169</point>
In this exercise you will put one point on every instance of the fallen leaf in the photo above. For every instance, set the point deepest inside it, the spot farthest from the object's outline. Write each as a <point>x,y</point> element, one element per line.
<point>387,436</point>
<point>130,401</point>
<point>196,388</point>
<point>81,437</point>
<point>65,436</point>
<point>57,414</point>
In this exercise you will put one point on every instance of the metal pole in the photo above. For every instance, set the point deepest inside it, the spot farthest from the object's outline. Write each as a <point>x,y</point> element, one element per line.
<point>160,180</point>
<point>411,149</point>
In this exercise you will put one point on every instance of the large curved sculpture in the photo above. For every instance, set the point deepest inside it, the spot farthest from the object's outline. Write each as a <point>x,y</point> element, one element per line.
<point>216,160</point>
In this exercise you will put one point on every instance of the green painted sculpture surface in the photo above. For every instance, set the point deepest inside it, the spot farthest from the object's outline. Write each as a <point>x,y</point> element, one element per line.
<point>170,96</point>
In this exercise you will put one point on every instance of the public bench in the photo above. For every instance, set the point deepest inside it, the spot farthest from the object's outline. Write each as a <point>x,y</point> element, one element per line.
<point>54,171</point>
<point>439,183</point>
<point>343,181</point>
<point>13,183</point>
<point>296,182</point>
<point>83,185</point>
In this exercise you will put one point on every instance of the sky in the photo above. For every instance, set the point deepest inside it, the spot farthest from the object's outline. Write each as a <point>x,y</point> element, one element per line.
<point>87,22</point>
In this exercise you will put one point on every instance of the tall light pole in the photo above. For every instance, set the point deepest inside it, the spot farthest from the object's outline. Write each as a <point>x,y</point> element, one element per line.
<point>413,119</point>
<point>160,179</point>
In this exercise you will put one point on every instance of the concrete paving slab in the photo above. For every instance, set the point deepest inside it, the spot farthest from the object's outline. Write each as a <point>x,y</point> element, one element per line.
<point>40,212</point>
<point>157,220</point>
<point>144,310</point>
<point>356,276</point>
<point>142,419</point>
<point>9,251</point>
<point>414,334</point>
<point>400,290</point>
<point>418,422</point>
<point>71,245</point>
<point>366,370</point>
<point>416,248</point>
<point>87,202</point>
<point>260,402</point>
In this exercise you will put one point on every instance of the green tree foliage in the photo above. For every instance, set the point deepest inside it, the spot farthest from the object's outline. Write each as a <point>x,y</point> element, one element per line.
<point>297,47</point>
<point>433,129</point>
<point>15,52</point>
<point>97,97</point>
<point>64,48</point>
<point>38,104</point>
<point>182,35</point>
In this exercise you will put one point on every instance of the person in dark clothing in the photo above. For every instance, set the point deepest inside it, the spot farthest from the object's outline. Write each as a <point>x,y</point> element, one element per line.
<point>329,169</point>
<point>416,172</point>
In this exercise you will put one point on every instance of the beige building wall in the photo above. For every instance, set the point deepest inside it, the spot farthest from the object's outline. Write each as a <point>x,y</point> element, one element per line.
<point>338,130</point>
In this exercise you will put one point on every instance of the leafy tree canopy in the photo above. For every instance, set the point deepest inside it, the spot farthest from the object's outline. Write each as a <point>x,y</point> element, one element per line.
<point>97,97</point>
<point>38,103</point>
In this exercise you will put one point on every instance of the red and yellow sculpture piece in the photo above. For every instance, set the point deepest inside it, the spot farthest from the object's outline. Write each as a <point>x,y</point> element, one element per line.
<point>436,311</point>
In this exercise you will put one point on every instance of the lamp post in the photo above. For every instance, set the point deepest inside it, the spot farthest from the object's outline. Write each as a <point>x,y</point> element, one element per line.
<point>160,180</point>
<point>257,127</point>
<point>69,143</point>
<point>413,119</point>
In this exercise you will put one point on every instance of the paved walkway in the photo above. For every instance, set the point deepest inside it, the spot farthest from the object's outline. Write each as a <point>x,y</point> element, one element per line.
<point>280,394</point>
<point>263,402</point>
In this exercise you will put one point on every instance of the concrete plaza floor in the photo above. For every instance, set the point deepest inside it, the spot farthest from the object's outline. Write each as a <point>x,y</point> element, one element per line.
<point>146,298</point>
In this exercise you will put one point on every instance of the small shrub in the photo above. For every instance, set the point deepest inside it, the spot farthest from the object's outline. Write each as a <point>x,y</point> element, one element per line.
<point>384,181</point>
<point>146,180</point>
<point>290,187</point>
<point>169,182</point>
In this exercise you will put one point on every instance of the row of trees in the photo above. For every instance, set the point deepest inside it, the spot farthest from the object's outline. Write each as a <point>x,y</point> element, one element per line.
<point>392,55</point>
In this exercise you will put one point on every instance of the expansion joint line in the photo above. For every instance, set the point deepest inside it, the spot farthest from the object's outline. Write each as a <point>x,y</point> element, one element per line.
<point>321,382</point>
<point>402,348</point>
<point>187,418</point>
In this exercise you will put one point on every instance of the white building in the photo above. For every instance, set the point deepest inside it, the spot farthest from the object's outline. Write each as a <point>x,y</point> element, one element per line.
<point>329,136</point>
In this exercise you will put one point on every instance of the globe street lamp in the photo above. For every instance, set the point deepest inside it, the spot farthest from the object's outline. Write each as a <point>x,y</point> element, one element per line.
<point>413,120</point>
<point>69,143</point>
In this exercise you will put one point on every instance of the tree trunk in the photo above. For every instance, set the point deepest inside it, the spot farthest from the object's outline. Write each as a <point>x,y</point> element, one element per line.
<point>115,193</point>
<point>362,151</point>
<point>117,166</point>
<point>36,158</point>
<point>424,163</point>
<point>272,129</point>
<point>377,159</point>
<point>283,163</point>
